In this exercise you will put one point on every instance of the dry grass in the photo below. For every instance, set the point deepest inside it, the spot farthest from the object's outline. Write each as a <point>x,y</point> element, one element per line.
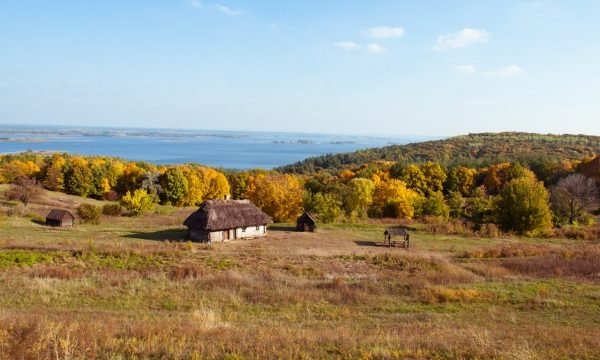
<point>129,288</point>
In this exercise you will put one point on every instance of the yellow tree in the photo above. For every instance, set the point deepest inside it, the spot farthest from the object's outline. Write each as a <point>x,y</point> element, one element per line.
<point>217,186</point>
<point>196,186</point>
<point>434,177</point>
<point>415,179</point>
<point>55,177</point>
<point>393,198</point>
<point>280,196</point>
<point>17,169</point>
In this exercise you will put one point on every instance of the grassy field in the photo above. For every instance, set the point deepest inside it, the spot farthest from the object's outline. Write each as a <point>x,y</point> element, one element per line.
<point>131,288</point>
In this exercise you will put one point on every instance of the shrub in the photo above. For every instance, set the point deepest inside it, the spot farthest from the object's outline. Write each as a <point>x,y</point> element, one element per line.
<point>110,196</point>
<point>89,214</point>
<point>112,210</point>
<point>137,203</point>
<point>18,210</point>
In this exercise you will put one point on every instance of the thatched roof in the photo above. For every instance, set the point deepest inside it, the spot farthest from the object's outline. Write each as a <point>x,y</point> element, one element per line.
<point>59,215</point>
<point>396,231</point>
<point>216,215</point>
<point>306,218</point>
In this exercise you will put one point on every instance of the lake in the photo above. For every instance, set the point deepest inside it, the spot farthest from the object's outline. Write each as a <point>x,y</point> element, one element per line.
<point>226,149</point>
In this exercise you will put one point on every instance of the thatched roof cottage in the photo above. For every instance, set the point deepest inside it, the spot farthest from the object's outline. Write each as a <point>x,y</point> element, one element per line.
<point>222,220</point>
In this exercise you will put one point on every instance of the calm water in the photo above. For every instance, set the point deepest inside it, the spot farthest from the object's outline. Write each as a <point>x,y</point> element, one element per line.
<point>234,150</point>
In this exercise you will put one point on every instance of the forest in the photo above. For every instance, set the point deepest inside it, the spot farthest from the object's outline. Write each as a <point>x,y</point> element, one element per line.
<point>473,150</point>
<point>540,197</point>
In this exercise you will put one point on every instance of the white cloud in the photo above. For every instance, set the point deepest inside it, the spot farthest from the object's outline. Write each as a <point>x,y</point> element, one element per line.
<point>346,45</point>
<point>227,10</point>
<point>195,3</point>
<point>507,71</point>
<point>376,49</point>
<point>461,39</point>
<point>385,32</point>
<point>466,69</point>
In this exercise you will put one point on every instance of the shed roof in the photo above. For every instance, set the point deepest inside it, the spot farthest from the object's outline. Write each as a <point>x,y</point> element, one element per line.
<point>215,215</point>
<point>396,231</point>
<point>58,214</point>
<point>307,217</point>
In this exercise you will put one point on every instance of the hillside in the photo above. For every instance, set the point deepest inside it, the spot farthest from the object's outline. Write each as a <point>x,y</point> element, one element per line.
<point>473,149</point>
<point>131,288</point>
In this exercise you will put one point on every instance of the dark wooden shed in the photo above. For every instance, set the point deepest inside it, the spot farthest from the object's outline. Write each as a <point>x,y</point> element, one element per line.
<point>399,232</point>
<point>60,218</point>
<point>306,222</point>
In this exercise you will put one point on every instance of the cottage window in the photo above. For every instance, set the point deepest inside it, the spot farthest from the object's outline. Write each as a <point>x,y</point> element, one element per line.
<point>243,229</point>
<point>258,228</point>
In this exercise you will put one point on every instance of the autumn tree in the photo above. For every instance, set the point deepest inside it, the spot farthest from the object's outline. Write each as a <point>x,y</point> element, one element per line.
<point>17,169</point>
<point>326,207</point>
<point>54,178</point>
<point>78,178</point>
<point>217,186</point>
<point>137,202</point>
<point>461,179</point>
<point>358,196</point>
<point>433,205</point>
<point>573,196</point>
<point>415,179</point>
<point>522,206</point>
<point>25,190</point>
<point>456,204</point>
<point>434,177</point>
<point>393,198</point>
<point>280,196</point>
<point>479,208</point>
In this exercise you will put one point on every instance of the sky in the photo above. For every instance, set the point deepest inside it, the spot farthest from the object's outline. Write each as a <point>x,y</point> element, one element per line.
<point>370,67</point>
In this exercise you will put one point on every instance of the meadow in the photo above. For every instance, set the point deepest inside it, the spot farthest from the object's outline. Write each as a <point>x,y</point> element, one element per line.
<point>132,288</point>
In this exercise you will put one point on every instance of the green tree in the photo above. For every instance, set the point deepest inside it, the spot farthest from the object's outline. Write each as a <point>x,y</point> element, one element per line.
<point>79,177</point>
<point>522,206</point>
<point>358,196</point>
<point>326,207</point>
<point>456,204</point>
<point>433,205</point>
<point>175,186</point>
<point>415,179</point>
<point>434,177</point>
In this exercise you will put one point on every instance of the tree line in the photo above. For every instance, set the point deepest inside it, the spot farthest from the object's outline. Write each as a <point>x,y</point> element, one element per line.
<point>516,197</point>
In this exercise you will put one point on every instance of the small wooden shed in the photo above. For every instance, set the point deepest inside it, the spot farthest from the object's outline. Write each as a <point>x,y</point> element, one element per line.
<point>306,223</point>
<point>400,232</point>
<point>60,218</point>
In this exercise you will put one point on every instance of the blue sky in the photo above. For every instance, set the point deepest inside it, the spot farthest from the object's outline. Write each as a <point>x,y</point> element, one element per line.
<point>335,66</point>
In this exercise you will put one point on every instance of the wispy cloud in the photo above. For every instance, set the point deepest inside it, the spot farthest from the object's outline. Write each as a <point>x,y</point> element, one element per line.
<point>376,49</point>
<point>227,10</point>
<point>507,71</point>
<point>385,32</point>
<point>466,69</point>
<point>461,39</point>
<point>346,45</point>
<point>195,3</point>
<point>224,9</point>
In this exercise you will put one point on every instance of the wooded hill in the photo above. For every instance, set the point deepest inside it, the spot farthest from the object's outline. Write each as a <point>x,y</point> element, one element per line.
<point>474,150</point>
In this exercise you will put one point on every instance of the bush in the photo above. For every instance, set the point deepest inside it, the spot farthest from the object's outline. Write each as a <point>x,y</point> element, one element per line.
<point>137,203</point>
<point>89,214</point>
<point>112,210</point>
<point>110,196</point>
<point>18,210</point>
